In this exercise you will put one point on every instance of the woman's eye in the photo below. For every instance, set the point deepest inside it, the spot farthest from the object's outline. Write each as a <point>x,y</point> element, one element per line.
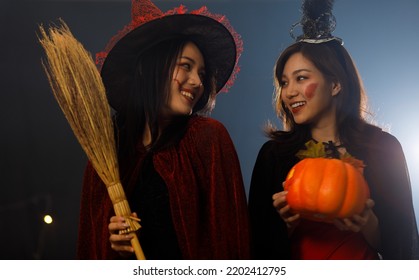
<point>283,83</point>
<point>301,78</point>
<point>185,66</point>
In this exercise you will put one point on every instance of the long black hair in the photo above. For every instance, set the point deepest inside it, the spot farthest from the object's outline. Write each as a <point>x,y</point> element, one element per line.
<point>149,94</point>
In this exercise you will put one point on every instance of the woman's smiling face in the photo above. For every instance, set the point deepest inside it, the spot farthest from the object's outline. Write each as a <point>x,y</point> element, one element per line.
<point>186,85</point>
<point>306,93</point>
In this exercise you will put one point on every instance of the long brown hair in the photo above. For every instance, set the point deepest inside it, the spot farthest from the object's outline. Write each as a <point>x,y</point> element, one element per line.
<point>335,63</point>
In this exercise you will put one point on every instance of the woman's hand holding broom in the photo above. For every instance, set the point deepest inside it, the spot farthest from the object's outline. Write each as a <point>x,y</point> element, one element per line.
<point>121,242</point>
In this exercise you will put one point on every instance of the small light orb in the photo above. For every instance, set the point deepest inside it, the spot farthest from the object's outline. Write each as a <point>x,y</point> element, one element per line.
<point>48,219</point>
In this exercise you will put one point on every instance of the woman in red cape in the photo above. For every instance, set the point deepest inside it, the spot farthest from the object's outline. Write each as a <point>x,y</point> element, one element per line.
<point>179,168</point>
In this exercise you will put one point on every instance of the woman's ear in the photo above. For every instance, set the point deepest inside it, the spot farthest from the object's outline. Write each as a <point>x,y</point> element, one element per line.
<point>336,87</point>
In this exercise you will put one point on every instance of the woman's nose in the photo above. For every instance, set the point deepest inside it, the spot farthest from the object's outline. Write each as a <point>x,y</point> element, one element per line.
<point>290,91</point>
<point>195,80</point>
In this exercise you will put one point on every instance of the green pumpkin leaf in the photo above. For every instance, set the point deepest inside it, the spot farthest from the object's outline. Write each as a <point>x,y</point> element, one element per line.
<point>313,150</point>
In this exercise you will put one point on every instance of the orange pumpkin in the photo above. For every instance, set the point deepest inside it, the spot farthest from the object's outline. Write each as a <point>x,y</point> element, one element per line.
<point>322,189</point>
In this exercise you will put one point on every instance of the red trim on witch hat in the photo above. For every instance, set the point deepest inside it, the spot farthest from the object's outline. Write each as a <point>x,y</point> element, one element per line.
<point>144,11</point>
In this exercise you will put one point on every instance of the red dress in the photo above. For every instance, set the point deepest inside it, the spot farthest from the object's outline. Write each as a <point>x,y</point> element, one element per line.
<point>324,241</point>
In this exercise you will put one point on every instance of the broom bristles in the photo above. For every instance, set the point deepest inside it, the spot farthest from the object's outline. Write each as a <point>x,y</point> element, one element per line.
<point>79,90</point>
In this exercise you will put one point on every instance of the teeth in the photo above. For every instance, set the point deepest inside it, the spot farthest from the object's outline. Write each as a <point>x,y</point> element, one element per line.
<point>187,94</point>
<point>297,104</point>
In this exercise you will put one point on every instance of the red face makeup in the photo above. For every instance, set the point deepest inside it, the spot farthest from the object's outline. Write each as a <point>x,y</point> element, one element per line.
<point>310,90</point>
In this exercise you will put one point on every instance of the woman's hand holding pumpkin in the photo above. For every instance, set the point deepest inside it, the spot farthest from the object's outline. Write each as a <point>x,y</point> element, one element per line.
<point>283,209</point>
<point>366,222</point>
<point>357,221</point>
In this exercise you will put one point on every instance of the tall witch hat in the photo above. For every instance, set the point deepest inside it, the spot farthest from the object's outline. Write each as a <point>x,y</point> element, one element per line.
<point>217,39</point>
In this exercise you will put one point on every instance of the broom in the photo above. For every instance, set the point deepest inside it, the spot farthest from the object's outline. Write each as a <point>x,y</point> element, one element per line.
<point>79,90</point>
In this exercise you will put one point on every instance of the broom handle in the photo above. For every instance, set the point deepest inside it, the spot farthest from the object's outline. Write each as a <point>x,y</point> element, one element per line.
<point>137,248</point>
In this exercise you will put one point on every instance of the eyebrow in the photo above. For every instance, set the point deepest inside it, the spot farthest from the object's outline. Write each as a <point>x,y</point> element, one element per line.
<point>188,58</point>
<point>298,71</point>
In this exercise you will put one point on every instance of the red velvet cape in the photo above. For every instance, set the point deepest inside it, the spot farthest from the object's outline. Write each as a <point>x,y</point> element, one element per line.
<point>206,193</point>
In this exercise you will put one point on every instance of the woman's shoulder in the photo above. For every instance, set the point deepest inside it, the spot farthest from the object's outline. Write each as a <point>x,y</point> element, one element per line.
<point>269,146</point>
<point>379,144</point>
<point>382,138</point>
<point>273,150</point>
<point>197,121</point>
<point>204,135</point>
<point>201,126</point>
<point>282,145</point>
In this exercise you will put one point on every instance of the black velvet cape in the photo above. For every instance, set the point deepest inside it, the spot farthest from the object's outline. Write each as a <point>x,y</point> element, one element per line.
<point>386,173</point>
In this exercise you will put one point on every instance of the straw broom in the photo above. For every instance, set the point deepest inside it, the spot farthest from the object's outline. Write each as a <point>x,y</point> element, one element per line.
<point>79,90</point>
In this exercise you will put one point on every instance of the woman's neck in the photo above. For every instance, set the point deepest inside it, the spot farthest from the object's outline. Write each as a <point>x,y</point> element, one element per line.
<point>324,127</point>
<point>147,138</point>
<point>325,134</point>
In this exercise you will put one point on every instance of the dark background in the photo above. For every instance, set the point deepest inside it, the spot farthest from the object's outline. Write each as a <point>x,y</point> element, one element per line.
<point>41,163</point>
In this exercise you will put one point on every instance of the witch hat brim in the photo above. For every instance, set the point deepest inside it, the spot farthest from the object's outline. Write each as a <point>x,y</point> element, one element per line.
<point>213,38</point>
